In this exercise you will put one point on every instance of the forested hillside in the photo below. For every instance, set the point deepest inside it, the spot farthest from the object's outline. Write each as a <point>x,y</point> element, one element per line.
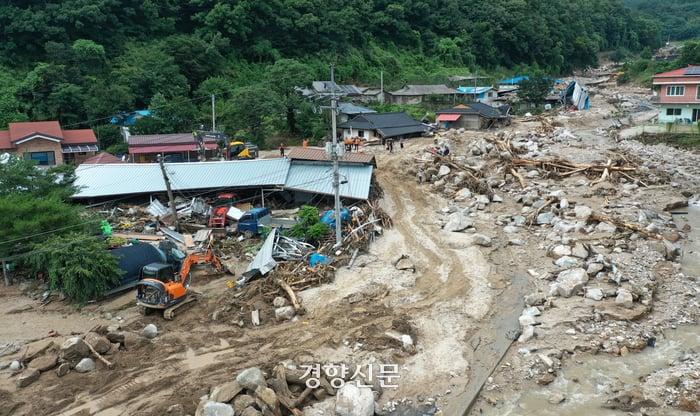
<point>679,19</point>
<point>80,60</point>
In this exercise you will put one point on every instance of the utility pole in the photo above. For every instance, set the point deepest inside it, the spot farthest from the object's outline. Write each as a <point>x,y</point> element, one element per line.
<point>334,157</point>
<point>173,209</point>
<point>381,87</point>
<point>213,112</point>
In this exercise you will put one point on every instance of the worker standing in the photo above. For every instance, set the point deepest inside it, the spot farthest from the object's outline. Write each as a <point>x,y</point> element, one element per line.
<point>390,143</point>
<point>357,144</point>
<point>281,149</point>
<point>305,143</point>
<point>401,143</point>
<point>421,175</point>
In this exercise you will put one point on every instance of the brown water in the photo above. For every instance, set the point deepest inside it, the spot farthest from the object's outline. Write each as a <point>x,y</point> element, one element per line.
<point>596,375</point>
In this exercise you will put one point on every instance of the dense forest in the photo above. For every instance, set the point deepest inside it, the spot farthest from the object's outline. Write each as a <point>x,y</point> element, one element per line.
<point>82,61</point>
<point>679,19</point>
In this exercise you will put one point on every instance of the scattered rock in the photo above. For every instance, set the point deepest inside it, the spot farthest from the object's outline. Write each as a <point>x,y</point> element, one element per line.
<point>150,331</point>
<point>44,362</point>
<point>546,379</point>
<point>85,365</point>
<point>462,195</point>
<point>267,396</point>
<point>210,408</point>
<point>15,366</point>
<point>251,411</point>
<point>567,262</point>
<point>285,313</point>
<point>579,251</point>
<point>676,203</point>
<point>352,400</point>
<point>444,171</point>
<point>27,377</point>
<point>74,349</point>
<point>527,334</point>
<point>556,398</point>
<point>624,298</point>
<point>225,392</point>
<point>629,401</point>
<point>279,302</point>
<point>545,218</point>
<point>672,251</point>
<point>457,222</point>
<point>481,240</point>
<point>175,410</point>
<point>582,212</point>
<point>98,342</point>
<point>63,369</point>
<point>569,282</point>
<point>605,228</point>
<point>241,402</point>
<point>595,268</point>
<point>560,251</point>
<point>251,378</point>
<point>534,299</point>
<point>594,293</point>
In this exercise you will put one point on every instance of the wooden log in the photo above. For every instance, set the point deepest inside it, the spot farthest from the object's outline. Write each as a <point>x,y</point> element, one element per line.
<point>290,293</point>
<point>99,356</point>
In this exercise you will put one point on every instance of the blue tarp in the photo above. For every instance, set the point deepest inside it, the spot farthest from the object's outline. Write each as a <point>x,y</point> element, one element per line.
<point>130,118</point>
<point>328,217</point>
<point>514,81</point>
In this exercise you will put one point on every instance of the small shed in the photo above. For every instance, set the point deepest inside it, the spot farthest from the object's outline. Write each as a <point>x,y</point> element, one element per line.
<point>475,116</point>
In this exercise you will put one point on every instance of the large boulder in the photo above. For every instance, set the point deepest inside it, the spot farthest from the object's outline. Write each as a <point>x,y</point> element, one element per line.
<point>457,222</point>
<point>352,400</point>
<point>44,362</point>
<point>251,378</point>
<point>73,350</point>
<point>210,408</point>
<point>569,282</point>
<point>98,342</point>
<point>85,365</point>
<point>225,392</point>
<point>444,171</point>
<point>285,313</point>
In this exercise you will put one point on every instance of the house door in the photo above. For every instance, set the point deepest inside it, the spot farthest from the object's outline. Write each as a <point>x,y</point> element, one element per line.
<point>696,115</point>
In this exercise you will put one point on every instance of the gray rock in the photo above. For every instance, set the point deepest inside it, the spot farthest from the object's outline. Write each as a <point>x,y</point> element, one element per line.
<point>519,220</point>
<point>532,311</point>
<point>527,334</point>
<point>241,402</point>
<point>352,400</point>
<point>85,365</point>
<point>223,393</point>
<point>63,369</point>
<point>175,410</point>
<point>74,349</point>
<point>624,298</point>
<point>561,251</point>
<point>27,377</point>
<point>15,366</point>
<point>482,199</point>
<point>511,229</point>
<point>251,378</point>
<point>564,203</point>
<point>267,396</point>
<point>463,195</point>
<point>567,262</point>
<point>279,302</point>
<point>285,313</point>
<point>444,171</point>
<point>496,198</point>
<point>671,251</point>
<point>150,331</point>
<point>534,299</point>
<point>516,242</point>
<point>594,293</point>
<point>595,268</point>
<point>579,251</point>
<point>457,222</point>
<point>569,282</point>
<point>250,411</point>
<point>545,218</point>
<point>532,174</point>
<point>604,227</point>
<point>481,240</point>
<point>210,408</point>
<point>582,212</point>
<point>526,320</point>
<point>556,398</point>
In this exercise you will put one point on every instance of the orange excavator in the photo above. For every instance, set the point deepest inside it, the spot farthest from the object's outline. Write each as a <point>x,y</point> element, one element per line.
<point>162,288</point>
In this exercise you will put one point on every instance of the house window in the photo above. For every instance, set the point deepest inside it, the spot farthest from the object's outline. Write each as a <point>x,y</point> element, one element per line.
<point>41,158</point>
<point>360,133</point>
<point>675,91</point>
<point>673,111</point>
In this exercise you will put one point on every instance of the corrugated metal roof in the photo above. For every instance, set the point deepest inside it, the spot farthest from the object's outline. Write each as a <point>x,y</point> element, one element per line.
<point>317,178</point>
<point>165,139</point>
<point>134,178</point>
<point>411,90</point>
<point>319,154</point>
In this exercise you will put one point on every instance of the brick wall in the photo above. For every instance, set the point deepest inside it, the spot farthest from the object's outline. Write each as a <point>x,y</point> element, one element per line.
<point>40,145</point>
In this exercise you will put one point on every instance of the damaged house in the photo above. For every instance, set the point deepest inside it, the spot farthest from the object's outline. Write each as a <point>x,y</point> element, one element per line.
<point>475,116</point>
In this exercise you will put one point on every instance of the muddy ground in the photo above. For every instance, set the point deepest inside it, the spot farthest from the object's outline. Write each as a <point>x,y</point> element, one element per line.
<point>460,307</point>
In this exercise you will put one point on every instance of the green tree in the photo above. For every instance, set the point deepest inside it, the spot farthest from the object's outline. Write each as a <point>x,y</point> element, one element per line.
<point>284,77</point>
<point>248,110</point>
<point>77,264</point>
<point>20,176</point>
<point>535,89</point>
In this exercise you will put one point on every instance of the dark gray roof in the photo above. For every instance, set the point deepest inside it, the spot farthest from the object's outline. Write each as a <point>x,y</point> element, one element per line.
<point>411,90</point>
<point>482,109</point>
<point>327,87</point>
<point>352,109</point>
<point>387,124</point>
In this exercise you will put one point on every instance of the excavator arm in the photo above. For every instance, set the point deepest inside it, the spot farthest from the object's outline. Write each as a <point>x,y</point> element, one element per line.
<point>207,257</point>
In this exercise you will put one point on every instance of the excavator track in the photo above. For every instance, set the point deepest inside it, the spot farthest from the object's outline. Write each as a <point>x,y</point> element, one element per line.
<point>169,313</point>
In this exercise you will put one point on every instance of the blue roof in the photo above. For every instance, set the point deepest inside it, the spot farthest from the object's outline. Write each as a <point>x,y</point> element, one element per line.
<point>473,90</point>
<point>515,80</point>
<point>130,118</point>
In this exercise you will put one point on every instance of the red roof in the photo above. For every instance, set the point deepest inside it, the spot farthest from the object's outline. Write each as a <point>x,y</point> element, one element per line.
<point>169,148</point>
<point>680,72</point>
<point>448,117</point>
<point>25,129</point>
<point>102,159</point>
<point>319,154</point>
<point>82,136</point>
